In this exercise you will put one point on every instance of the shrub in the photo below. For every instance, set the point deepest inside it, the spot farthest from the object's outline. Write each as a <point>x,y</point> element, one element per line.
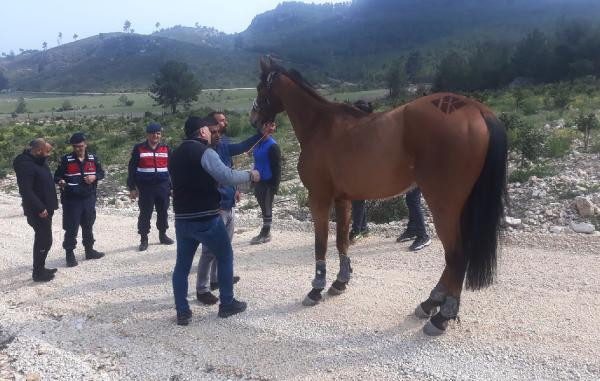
<point>384,211</point>
<point>559,143</point>
<point>523,175</point>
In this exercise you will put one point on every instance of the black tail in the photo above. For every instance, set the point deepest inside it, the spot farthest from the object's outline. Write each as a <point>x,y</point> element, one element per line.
<point>484,210</point>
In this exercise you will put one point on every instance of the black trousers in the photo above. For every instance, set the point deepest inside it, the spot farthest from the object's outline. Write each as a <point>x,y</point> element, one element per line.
<point>265,193</point>
<point>416,221</point>
<point>359,216</point>
<point>150,197</point>
<point>79,212</point>
<point>43,239</point>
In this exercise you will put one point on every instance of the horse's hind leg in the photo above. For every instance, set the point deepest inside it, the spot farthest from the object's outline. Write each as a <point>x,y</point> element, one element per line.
<point>443,302</point>
<point>319,207</point>
<point>342,217</point>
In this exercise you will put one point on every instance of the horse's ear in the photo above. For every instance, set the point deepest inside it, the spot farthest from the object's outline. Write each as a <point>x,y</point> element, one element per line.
<point>265,64</point>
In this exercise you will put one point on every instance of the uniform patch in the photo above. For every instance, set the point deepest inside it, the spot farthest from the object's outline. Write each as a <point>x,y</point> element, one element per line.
<point>448,104</point>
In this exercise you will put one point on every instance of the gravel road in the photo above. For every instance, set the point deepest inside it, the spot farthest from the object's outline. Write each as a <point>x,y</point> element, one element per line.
<point>113,319</point>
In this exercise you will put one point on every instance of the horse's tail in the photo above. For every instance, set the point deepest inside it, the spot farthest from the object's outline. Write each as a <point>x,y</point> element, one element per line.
<point>484,210</point>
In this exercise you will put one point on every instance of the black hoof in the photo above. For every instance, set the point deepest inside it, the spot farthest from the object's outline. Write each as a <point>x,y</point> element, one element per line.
<point>313,298</point>
<point>337,288</point>
<point>437,325</point>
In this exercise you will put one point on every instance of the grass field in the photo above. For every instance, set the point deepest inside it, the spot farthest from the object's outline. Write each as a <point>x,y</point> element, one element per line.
<point>240,100</point>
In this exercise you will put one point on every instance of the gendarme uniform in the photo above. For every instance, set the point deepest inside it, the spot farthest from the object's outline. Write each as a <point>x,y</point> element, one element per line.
<point>79,199</point>
<point>148,172</point>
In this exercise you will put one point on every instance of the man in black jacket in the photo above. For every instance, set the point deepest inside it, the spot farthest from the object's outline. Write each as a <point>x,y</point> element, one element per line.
<point>39,202</point>
<point>78,175</point>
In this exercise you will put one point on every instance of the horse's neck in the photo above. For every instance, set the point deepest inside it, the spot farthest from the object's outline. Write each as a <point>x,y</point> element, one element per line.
<point>303,109</point>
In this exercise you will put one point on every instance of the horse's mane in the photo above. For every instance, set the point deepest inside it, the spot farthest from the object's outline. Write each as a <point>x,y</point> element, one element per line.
<point>299,80</point>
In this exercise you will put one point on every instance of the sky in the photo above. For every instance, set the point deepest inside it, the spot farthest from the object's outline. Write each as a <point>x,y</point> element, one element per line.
<point>27,24</point>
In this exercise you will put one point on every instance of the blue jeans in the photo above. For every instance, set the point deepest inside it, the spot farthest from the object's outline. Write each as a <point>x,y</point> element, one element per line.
<point>359,216</point>
<point>189,235</point>
<point>416,221</point>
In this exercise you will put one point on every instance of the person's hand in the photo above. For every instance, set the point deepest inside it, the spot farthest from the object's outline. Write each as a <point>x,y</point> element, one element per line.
<point>254,176</point>
<point>238,196</point>
<point>133,194</point>
<point>205,134</point>
<point>43,214</point>
<point>61,184</point>
<point>89,179</point>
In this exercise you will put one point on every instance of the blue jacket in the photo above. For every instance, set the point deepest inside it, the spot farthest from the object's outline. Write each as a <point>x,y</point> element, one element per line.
<point>267,161</point>
<point>226,151</point>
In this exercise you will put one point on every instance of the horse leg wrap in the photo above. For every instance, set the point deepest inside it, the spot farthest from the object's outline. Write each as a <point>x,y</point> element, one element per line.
<point>345,269</point>
<point>320,273</point>
<point>430,306</point>
<point>439,322</point>
<point>313,298</point>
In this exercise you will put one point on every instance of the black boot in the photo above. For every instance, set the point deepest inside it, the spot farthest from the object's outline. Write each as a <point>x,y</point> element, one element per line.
<point>71,261</point>
<point>90,253</point>
<point>143,243</point>
<point>164,239</point>
<point>263,237</point>
<point>51,271</point>
<point>42,276</point>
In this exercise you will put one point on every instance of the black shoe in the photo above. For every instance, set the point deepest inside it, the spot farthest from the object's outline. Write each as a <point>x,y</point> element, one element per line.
<point>93,254</point>
<point>71,261</point>
<point>419,243</point>
<point>260,239</point>
<point>184,317</point>
<point>164,239</point>
<point>232,308</point>
<point>42,276</point>
<point>356,236</point>
<point>143,243</point>
<point>51,271</point>
<point>207,298</point>
<point>215,285</point>
<point>406,236</point>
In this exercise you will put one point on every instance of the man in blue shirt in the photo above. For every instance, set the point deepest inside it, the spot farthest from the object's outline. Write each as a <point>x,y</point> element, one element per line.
<point>207,265</point>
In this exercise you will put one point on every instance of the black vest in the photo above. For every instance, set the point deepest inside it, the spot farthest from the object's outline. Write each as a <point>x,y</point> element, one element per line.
<point>195,192</point>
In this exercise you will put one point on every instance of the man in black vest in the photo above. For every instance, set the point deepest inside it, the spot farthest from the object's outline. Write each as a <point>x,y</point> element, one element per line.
<point>38,193</point>
<point>148,178</point>
<point>78,175</point>
<point>196,170</point>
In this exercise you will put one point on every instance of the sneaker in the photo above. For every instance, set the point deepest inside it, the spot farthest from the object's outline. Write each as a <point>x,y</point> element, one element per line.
<point>183,318</point>
<point>93,254</point>
<point>143,243</point>
<point>215,285</point>
<point>71,260</point>
<point>419,243</point>
<point>51,271</point>
<point>235,307</point>
<point>260,239</point>
<point>207,298</point>
<point>406,236</point>
<point>356,236</point>
<point>42,276</point>
<point>164,239</point>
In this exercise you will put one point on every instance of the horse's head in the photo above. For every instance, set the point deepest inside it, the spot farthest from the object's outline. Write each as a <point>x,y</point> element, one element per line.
<point>266,105</point>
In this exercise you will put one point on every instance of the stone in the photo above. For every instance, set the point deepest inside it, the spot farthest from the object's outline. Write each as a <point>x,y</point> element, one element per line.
<point>33,376</point>
<point>584,206</point>
<point>510,221</point>
<point>583,228</point>
<point>556,229</point>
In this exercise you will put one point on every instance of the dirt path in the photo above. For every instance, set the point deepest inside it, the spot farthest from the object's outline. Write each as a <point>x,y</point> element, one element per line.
<point>113,318</point>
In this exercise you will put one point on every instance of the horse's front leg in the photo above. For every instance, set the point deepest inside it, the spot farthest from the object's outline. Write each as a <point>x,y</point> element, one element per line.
<point>342,217</point>
<point>319,207</point>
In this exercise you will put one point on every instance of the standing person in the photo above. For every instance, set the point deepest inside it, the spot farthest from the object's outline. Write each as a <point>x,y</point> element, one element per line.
<point>39,202</point>
<point>148,178</point>
<point>196,170</point>
<point>359,213</point>
<point>359,221</point>
<point>77,176</point>
<point>207,265</point>
<point>267,161</point>
<point>415,228</point>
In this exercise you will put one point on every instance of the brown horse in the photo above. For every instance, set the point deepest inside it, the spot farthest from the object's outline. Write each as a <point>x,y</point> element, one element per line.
<point>450,146</point>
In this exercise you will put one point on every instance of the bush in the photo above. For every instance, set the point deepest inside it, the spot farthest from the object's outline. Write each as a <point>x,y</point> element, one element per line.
<point>384,211</point>
<point>524,138</point>
<point>559,143</point>
<point>523,175</point>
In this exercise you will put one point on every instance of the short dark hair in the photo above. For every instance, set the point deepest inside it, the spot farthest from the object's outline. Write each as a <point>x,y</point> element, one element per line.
<point>214,113</point>
<point>363,106</point>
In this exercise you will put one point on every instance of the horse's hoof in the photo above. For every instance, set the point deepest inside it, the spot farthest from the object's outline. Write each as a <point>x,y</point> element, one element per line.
<point>421,314</point>
<point>308,302</point>
<point>431,330</point>
<point>337,288</point>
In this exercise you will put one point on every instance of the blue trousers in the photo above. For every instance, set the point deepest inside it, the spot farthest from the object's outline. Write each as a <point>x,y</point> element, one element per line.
<point>190,234</point>
<point>359,216</point>
<point>416,221</point>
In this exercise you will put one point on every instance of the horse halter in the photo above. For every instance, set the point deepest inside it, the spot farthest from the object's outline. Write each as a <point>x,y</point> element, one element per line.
<point>265,106</point>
